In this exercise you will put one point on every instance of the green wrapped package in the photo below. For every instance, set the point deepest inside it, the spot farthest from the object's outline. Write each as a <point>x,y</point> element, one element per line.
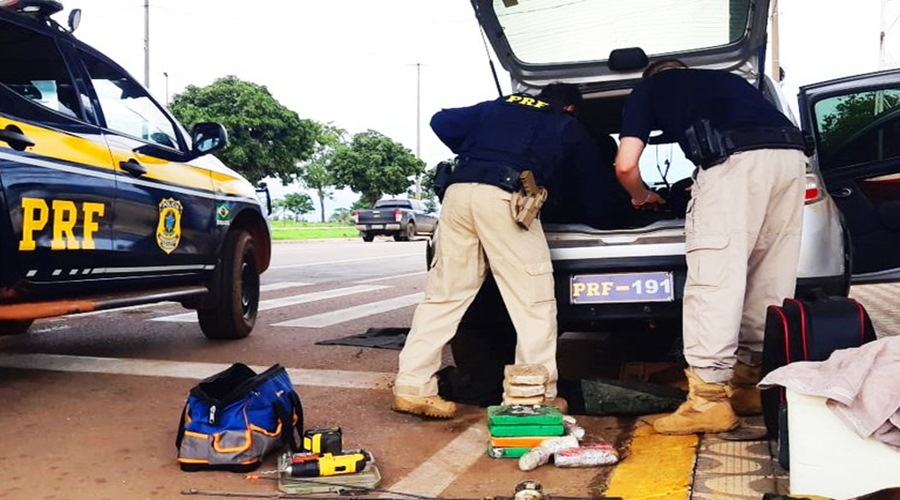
<point>523,415</point>
<point>526,430</point>
<point>502,452</point>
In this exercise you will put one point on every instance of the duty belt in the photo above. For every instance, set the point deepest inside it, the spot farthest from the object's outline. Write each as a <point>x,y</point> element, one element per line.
<point>495,174</point>
<point>707,147</point>
<point>747,139</point>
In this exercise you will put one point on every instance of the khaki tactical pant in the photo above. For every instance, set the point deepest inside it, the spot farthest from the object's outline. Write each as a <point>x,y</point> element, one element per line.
<point>477,231</point>
<point>742,244</point>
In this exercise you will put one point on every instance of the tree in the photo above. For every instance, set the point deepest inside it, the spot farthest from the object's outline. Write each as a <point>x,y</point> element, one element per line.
<point>373,164</point>
<point>266,139</point>
<point>851,114</point>
<point>296,203</point>
<point>341,215</point>
<point>317,173</point>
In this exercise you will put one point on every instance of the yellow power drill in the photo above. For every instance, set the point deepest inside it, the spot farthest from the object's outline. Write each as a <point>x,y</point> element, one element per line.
<point>327,464</point>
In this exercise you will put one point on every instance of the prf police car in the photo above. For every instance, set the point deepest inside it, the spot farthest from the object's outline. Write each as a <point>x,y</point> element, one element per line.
<point>105,200</point>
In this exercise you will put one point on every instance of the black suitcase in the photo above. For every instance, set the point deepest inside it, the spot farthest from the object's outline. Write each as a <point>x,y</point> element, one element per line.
<point>806,330</point>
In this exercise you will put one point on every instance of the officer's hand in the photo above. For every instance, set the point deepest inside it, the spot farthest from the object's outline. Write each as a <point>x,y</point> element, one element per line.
<point>649,201</point>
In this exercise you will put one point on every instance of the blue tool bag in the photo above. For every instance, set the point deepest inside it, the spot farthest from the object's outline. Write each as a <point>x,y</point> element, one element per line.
<point>232,419</point>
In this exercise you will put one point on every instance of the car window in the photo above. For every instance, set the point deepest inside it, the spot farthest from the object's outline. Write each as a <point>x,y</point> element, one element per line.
<point>573,31</point>
<point>663,163</point>
<point>858,127</point>
<point>392,204</point>
<point>32,66</point>
<point>127,107</point>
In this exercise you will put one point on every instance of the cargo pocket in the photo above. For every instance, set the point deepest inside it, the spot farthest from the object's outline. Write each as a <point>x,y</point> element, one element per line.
<point>540,277</point>
<point>707,260</point>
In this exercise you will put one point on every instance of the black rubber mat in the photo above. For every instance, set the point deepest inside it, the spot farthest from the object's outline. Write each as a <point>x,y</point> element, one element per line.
<point>378,338</point>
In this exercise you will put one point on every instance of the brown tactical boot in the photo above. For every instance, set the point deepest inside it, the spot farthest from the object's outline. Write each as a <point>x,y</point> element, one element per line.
<point>559,403</point>
<point>707,409</point>
<point>746,401</point>
<point>426,406</point>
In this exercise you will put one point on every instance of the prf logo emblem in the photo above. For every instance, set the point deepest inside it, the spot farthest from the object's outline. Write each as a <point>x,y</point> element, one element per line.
<point>168,231</point>
<point>527,101</point>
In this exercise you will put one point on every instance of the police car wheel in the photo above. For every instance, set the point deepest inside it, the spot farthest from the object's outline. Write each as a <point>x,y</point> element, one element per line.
<point>368,237</point>
<point>14,327</point>
<point>234,314</point>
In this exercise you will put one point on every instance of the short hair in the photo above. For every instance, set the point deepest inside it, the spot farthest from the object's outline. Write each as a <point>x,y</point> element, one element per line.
<point>660,66</point>
<point>560,95</point>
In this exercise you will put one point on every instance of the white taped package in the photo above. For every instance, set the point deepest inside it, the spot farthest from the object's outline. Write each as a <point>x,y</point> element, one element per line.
<point>586,455</point>
<point>526,374</point>
<point>539,455</point>
<point>829,459</point>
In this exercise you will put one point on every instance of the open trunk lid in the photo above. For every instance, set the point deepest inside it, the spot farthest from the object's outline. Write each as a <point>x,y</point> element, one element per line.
<point>544,41</point>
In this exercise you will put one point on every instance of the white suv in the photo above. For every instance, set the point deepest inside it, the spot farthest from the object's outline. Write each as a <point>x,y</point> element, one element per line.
<point>629,281</point>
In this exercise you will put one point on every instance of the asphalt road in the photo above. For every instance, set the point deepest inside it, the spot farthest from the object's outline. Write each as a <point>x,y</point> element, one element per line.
<point>92,402</point>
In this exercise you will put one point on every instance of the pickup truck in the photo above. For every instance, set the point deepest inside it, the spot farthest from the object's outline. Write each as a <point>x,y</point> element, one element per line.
<point>402,219</point>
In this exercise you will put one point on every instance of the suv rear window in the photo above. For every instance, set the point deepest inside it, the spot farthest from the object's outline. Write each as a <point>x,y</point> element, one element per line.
<point>573,31</point>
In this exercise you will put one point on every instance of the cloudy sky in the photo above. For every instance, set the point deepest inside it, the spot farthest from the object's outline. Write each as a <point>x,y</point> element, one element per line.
<point>354,62</point>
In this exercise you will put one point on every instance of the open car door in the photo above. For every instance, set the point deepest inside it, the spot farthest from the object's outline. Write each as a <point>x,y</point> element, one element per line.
<point>856,124</point>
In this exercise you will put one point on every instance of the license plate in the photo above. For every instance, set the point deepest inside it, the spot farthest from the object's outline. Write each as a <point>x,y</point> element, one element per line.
<point>626,287</point>
<point>376,226</point>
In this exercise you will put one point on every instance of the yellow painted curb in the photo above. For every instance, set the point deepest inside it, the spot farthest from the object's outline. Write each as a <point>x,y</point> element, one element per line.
<point>656,466</point>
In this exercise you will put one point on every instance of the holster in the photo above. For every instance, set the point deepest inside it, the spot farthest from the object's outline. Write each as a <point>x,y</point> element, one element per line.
<point>706,148</point>
<point>526,203</point>
<point>442,174</point>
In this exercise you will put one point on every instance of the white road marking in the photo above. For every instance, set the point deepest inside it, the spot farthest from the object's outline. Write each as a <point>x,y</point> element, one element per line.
<point>192,370</point>
<point>263,288</point>
<point>269,287</point>
<point>385,278</point>
<point>293,300</point>
<point>50,329</point>
<point>355,312</point>
<point>129,308</point>
<point>437,473</point>
<point>378,257</point>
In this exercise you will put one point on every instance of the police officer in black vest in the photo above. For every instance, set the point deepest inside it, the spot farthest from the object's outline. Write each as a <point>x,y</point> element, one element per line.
<point>742,228</point>
<point>494,142</point>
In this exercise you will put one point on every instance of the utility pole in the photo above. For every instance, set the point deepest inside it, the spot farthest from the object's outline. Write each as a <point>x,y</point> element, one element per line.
<point>166,74</point>
<point>147,44</point>
<point>776,59</point>
<point>418,126</point>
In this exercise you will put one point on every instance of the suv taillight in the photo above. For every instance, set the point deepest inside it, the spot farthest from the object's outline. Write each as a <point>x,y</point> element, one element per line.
<point>813,190</point>
<point>356,216</point>
<point>398,215</point>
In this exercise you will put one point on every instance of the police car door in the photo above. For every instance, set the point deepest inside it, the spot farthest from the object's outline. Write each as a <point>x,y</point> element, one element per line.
<point>856,123</point>
<point>56,176</point>
<point>164,222</point>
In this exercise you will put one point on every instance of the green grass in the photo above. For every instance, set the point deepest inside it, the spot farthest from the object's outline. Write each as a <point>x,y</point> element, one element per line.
<point>288,230</point>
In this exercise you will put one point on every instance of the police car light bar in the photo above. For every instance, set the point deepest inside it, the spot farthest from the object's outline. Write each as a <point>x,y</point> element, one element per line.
<point>44,8</point>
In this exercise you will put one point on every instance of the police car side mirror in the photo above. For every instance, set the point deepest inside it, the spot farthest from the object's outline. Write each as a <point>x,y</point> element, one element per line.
<point>74,20</point>
<point>208,137</point>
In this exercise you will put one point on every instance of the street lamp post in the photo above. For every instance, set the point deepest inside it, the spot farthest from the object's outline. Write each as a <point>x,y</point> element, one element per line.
<point>147,44</point>
<point>166,74</point>
<point>418,125</point>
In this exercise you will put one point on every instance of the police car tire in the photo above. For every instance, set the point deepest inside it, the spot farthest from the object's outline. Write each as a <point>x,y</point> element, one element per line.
<point>234,316</point>
<point>14,327</point>
<point>368,237</point>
